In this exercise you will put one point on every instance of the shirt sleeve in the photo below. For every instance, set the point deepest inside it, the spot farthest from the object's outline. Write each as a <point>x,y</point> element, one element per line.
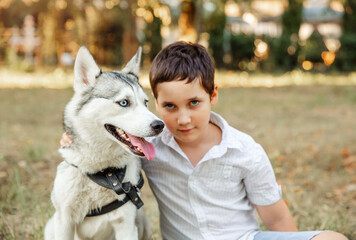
<point>260,181</point>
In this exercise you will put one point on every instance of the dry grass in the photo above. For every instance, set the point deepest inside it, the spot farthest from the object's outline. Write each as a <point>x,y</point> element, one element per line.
<point>307,131</point>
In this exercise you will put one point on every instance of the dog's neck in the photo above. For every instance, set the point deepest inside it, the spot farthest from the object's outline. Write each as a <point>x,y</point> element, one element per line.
<point>92,158</point>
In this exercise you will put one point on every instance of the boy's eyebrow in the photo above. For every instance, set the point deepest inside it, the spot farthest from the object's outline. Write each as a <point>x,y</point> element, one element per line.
<point>190,99</point>
<point>194,98</point>
<point>165,103</point>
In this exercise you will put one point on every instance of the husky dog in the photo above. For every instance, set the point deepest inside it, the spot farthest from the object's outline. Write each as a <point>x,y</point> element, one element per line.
<point>96,189</point>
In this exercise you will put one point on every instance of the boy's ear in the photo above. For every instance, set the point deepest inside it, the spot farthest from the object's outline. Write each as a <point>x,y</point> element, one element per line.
<point>85,70</point>
<point>214,96</point>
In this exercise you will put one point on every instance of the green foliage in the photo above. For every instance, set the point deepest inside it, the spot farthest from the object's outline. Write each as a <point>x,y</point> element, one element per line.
<point>215,26</point>
<point>282,58</point>
<point>346,56</point>
<point>242,49</point>
<point>349,19</point>
<point>108,38</point>
<point>292,17</point>
<point>153,36</point>
<point>313,48</point>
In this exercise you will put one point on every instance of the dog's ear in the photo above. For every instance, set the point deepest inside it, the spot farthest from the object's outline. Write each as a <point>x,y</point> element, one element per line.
<point>85,70</point>
<point>133,66</point>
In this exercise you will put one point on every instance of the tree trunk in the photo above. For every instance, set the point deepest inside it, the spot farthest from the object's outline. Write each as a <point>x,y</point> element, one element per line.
<point>49,24</point>
<point>197,17</point>
<point>130,42</point>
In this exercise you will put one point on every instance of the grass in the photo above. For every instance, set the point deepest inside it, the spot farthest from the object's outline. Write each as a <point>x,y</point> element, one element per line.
<point>307,131</point>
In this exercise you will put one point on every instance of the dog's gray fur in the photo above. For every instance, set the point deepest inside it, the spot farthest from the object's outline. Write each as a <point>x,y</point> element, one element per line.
<point>94,104</point>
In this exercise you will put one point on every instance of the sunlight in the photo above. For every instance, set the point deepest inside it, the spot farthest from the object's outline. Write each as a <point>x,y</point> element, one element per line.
<point>307,65</point>
<point>250,18</point>
<point>337,6</point>
<point>270,8</point>
<point>305,30</point>
<point>332,45</point>
<point>261,50</point>
<point>328,58</point>
<point>232,9</point>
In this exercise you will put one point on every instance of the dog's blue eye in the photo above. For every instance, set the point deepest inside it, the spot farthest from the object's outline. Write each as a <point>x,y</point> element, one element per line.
<point>123,103</point>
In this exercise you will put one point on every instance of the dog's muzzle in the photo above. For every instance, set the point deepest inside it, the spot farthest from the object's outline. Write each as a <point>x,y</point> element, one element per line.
<point>157,126</point>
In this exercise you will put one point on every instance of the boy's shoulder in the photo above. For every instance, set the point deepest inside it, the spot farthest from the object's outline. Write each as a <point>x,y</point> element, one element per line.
<point>232,136</point>
<point>238,139</point>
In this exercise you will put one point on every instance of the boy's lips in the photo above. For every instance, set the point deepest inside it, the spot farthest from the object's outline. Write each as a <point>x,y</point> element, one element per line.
<point>185,130</point>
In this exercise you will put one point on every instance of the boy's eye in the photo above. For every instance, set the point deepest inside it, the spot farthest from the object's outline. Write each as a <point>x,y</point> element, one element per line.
<point>123,103</point>
<point>194,103</point>
<point>169,106</point>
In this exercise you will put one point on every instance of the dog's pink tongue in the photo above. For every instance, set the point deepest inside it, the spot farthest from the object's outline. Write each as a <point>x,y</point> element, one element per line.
<point>147,148</point>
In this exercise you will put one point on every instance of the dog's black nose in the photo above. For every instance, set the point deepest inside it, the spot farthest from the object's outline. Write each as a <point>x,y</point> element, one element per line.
<point>157,126</point>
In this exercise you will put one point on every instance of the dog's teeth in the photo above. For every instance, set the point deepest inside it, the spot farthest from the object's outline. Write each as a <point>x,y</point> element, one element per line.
<point>119,131</point>
<point>139,149</point>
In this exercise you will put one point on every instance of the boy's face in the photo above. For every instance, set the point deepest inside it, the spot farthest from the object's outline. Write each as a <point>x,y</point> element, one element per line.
<point>185,109</point>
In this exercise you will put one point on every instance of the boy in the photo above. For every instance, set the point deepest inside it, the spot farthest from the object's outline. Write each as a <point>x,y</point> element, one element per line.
<point>207,177</point>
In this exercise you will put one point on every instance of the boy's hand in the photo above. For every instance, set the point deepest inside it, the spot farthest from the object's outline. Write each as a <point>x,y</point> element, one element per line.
<point>66,140</point>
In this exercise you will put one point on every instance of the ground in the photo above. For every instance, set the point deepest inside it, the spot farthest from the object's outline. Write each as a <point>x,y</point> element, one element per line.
<point>307,130</point>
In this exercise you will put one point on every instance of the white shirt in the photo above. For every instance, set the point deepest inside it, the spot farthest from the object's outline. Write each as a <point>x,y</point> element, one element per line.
<point>212,200</point>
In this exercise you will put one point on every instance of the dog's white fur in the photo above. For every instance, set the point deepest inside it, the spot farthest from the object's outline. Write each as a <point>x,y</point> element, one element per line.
<point>93,149</point>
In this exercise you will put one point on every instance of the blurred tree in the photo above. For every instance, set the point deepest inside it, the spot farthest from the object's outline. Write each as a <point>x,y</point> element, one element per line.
<point>349,19</point>
<point>346,56</point>
<point>48,32</point>
<point>15,11</point>
<point>2,42</point>
<point>215,26</point>
<point>284,52</point>
<point>190,20</point>
<point>153,36</point>
<point>198,17</point>
<point>285,49</point>
<point>312,49</point>
<point>242,50</point>
<point>292,17</point>
<point>130,41</point>
<point>107,38</point>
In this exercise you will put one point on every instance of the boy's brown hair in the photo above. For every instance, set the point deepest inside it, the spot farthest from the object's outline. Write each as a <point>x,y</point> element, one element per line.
<point>183,61</point>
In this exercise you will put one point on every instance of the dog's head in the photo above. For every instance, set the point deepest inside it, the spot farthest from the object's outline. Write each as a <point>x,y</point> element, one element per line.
<point>110,107</point>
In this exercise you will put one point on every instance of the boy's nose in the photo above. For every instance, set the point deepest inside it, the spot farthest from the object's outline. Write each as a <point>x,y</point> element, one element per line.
<point>183,119</point>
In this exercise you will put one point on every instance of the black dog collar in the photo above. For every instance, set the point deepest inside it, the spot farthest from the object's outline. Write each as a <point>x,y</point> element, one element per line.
<point>112,178</point>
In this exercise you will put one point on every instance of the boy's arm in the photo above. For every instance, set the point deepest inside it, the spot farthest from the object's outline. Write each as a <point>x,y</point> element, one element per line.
<point>277,217</point>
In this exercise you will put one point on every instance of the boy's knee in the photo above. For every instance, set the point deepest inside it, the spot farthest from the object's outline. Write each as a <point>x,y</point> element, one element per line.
<point>329,236</point>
